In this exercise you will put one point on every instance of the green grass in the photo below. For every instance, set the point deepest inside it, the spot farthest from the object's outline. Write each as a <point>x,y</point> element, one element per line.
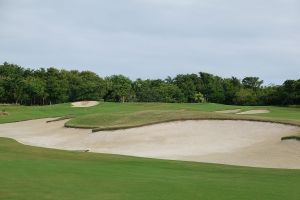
<point>31,173</point>
<point>20,113</point>
<point>118,115</point>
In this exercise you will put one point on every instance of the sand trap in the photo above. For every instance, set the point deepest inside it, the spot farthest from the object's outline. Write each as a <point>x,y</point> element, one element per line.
<point>85,103</point>
<point>230,142</point>
<point>228,111</point>
<point>252,112</point>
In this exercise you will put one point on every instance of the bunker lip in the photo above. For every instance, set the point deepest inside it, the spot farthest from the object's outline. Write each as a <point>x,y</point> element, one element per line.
<point>253,112</point>
<point>80,104</point>
<point>244,143</point>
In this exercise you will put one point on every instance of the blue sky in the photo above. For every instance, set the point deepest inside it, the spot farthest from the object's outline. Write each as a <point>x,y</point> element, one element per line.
<point>155,38</point>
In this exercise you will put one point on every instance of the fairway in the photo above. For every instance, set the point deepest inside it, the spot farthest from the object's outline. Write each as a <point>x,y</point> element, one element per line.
<point>35,173</point>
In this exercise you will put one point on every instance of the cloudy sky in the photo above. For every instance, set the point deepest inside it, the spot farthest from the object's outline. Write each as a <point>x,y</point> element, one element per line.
<point>155,38</point>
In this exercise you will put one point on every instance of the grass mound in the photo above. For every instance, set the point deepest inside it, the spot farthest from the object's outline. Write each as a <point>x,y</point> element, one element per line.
<point>114,121</point>
<point>123,120</point>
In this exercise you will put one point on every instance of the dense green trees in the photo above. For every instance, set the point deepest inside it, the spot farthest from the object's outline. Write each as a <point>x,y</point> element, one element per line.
<point>252,83</point>
<point>119,88</point>
<point>85,85</point>
<point>189,84</point>
<point>231,87</point>
<point>157,91</point>
<point>50,86</point>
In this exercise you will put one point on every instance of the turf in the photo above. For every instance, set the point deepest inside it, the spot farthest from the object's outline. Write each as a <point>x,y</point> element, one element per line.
<point>117,115</point>
<point>31,173</point>
<point>38,173</point>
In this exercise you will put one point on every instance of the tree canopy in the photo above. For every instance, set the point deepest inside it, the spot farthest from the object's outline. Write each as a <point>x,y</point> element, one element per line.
<point>50,86</point>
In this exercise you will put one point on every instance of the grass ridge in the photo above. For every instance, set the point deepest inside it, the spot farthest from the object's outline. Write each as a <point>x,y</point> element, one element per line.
<point>185,119</point>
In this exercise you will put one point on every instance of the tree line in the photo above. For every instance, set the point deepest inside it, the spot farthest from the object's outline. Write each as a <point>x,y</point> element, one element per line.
<point>51,86</point>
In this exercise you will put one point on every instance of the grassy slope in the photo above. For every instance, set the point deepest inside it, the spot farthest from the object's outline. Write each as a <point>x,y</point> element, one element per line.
<point>114,115</point>
<point>30,173</point>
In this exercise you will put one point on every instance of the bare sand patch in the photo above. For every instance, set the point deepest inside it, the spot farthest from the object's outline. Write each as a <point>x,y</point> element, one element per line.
<point>245,143</point>
<point>252,112</point>
<point>84,103</point>
<point>228,111</point>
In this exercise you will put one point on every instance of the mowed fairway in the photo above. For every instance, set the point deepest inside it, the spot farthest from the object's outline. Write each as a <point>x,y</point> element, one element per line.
<point>30,173</point>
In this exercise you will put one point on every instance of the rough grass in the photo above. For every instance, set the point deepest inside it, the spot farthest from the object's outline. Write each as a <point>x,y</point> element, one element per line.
<point>30,173</point>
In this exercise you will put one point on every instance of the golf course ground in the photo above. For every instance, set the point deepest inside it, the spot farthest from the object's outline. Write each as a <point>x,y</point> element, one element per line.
<point>28,172</point>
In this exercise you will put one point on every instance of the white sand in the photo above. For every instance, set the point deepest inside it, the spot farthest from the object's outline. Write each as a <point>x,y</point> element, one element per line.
<point>229,142</point>
<point>252,112</point>
<point>228,111</point>
<point>85,103</point>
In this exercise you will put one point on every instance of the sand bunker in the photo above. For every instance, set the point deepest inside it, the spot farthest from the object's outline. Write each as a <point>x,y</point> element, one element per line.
<point>228,111</point>
<point>84,103</point>
<point>252,112</point>
<point>229,142</point>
